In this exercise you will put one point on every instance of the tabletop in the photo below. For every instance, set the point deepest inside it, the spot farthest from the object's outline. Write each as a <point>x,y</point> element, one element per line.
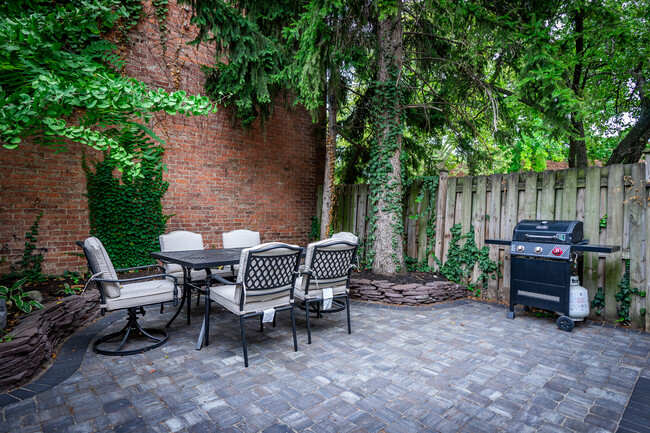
<point>200,259</point>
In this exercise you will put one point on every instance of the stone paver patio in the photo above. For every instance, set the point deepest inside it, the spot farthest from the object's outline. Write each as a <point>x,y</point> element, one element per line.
<point>456,366</point>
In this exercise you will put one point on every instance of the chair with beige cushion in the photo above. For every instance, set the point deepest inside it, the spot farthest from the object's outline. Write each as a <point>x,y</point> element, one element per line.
<point>240,239</point>
<point>263,287</point>
<point>325,279</point>
<point>182,240</point>
<point>346,236</point>
<point>130,294</point>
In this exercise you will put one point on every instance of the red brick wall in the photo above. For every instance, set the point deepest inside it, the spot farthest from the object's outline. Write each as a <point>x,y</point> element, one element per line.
<point>222,177</point>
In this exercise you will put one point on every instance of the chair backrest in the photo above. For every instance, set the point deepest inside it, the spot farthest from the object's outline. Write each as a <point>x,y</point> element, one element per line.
<point>330,262</point>
<point>100,263</point>
<point>350,237</point>
<point>240,239</point>
<point>267,270</point>
<point>179,240</point>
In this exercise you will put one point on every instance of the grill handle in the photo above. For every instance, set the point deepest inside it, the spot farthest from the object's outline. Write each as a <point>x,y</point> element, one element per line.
<point>529,236</point>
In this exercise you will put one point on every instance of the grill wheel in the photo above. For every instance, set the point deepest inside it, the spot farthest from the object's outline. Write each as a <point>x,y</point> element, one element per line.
<point>565,323</point>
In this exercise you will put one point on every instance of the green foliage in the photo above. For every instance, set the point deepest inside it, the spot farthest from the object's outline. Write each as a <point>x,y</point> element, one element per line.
<point>462,259</point>
<point>59,79</point>
<point>73,275</point>
<point>314,231</point>
<point>625,296</point>
<point>67,290</point>
<point>30,264</point>
<point>126,212</point>
<point>17,300</point>
<point>599,301</point>
<point>161,7</point>
<point>412,265</point>
<point>602,224</point>
<point>6,337</point>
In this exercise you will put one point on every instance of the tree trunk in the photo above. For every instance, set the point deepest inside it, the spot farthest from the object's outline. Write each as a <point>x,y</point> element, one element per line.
<point>577,145</point>
<point>388,243</point>
<point>330,155</point>
<point>630,149</point>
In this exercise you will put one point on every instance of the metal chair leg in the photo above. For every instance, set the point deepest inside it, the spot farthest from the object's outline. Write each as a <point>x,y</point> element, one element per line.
<point>347,308</point>
<point>262,324</point>
<point>308,324</point>
<point>243,340</point>
<point>293,328</point>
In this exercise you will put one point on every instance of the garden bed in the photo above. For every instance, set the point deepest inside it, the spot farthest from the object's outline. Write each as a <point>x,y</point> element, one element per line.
<point>405,288</point>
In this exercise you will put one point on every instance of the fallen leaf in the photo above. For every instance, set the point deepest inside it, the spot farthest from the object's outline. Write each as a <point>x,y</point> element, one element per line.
<point>152,371</point>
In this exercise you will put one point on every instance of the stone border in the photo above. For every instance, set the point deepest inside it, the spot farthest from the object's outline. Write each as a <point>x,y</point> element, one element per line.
<point>406,294</point>
<point>39,333</point>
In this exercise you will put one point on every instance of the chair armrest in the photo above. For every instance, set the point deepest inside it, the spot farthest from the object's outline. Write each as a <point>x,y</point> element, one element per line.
<point>141,267</point>
<point>144,277</point>
<point>210,277</point>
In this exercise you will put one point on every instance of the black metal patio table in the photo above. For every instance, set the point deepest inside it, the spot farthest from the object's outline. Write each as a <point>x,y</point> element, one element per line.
<point>198,260</point>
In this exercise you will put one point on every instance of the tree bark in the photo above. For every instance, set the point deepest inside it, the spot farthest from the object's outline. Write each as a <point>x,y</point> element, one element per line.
<point>630,149</point>
<point>577,144</point>
<point>388,243</point>
<point>330,155</point>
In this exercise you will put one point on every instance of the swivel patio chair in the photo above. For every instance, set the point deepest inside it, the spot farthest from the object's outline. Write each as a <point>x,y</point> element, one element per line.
<point>182,240</point>
<point>263,287</point>
<point>325,279</point>
<point>115,294</point>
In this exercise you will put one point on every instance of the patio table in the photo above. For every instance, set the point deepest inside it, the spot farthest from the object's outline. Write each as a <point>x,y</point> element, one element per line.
<point>198,260</point>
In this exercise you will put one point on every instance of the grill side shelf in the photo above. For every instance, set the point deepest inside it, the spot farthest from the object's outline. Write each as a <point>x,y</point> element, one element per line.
<point>596,248</point>
<point>498,242</point>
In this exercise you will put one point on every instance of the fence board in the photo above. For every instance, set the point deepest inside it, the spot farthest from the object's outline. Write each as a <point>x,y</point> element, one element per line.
<point>423,240</point>
<point>510,220</point>
<point>613,265</point>
<point>450,210</point>
<point>441,198</point>
<point>591,230</point>
<point>530,195</point>
<point>569,194</point>
<point>466,201</point>
<point>410,225</point>
<point>636,198</point>
<point>547,207</point>
<point>493,229</point>
<point>362,211</point>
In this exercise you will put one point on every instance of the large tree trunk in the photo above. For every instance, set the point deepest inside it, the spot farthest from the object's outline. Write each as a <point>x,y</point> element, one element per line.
<point>577,144</point>
<point>330,155</point>
<point>388,243</point>
<point>630,149</point>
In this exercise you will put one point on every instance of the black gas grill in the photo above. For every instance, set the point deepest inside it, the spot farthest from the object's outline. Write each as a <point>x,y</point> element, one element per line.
<point>542,255</point>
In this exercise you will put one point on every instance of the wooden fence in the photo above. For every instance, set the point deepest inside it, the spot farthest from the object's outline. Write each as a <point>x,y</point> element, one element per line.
<point>611,201</point>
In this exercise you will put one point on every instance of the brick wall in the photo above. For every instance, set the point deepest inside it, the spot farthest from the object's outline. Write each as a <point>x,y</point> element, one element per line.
<point>222,177</point>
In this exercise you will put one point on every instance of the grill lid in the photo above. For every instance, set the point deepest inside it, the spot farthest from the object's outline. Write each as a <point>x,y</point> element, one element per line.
<point>543,231</point>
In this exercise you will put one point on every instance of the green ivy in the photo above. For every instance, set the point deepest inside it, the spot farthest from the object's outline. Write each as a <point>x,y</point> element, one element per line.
<point>461,260</point>
<point>314,232</point>
<point>599,301</point>
<point>161,7</point>
<point>625,296</point>
<point>30,264</point>
<point>126,212</point>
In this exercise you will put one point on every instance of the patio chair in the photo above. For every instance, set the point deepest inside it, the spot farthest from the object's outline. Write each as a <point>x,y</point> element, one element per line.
<point>240,239</point>
<point>182,240</point>
<point>347,236</point>
<point>263,287</point>
<point>325,279</point>
<point>115,294</point>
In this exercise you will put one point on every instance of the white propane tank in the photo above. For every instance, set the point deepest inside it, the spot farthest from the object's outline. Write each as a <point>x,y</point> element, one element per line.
<point>578,300</point>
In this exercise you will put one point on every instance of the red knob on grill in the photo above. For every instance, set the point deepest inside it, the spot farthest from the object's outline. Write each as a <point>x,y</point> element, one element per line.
<point>557,251</point>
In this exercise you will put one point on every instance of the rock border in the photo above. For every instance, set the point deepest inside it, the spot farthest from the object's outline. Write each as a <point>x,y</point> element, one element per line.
<point>406,294</point>
<point>39,333</point>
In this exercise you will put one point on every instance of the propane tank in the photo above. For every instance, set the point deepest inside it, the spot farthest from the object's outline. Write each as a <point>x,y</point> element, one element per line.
<point>578,300</point>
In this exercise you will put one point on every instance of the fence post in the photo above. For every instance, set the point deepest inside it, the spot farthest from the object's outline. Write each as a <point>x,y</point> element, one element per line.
<point>441,199</point>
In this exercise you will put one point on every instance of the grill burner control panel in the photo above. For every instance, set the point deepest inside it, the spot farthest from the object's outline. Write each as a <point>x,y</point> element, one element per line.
<point>537,249</point>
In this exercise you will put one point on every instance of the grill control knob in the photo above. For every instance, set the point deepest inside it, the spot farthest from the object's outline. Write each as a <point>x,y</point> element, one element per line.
<point>520,248</point>
<point>538,250</point>
<point>557,251</point>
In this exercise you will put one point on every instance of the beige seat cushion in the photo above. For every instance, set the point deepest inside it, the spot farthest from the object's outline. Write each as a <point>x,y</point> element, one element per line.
<point>143,293</point>
<point>229,296</point>
<point>100,262</point>
<point>316,289</point>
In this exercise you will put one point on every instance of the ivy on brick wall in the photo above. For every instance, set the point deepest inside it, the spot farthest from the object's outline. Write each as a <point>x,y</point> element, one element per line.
<point>125,210</point>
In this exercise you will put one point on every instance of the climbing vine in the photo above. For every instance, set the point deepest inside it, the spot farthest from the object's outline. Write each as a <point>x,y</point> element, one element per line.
<point>161,7</point>
<point>429,186</point>
<point>462,259</point>
<point>126,211</point>
<point>383,188</point>
<point>625,296</point>
<point>599,301</point>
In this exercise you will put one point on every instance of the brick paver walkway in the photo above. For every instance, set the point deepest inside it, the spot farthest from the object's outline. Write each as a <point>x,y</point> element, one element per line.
<point>459,366</point>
